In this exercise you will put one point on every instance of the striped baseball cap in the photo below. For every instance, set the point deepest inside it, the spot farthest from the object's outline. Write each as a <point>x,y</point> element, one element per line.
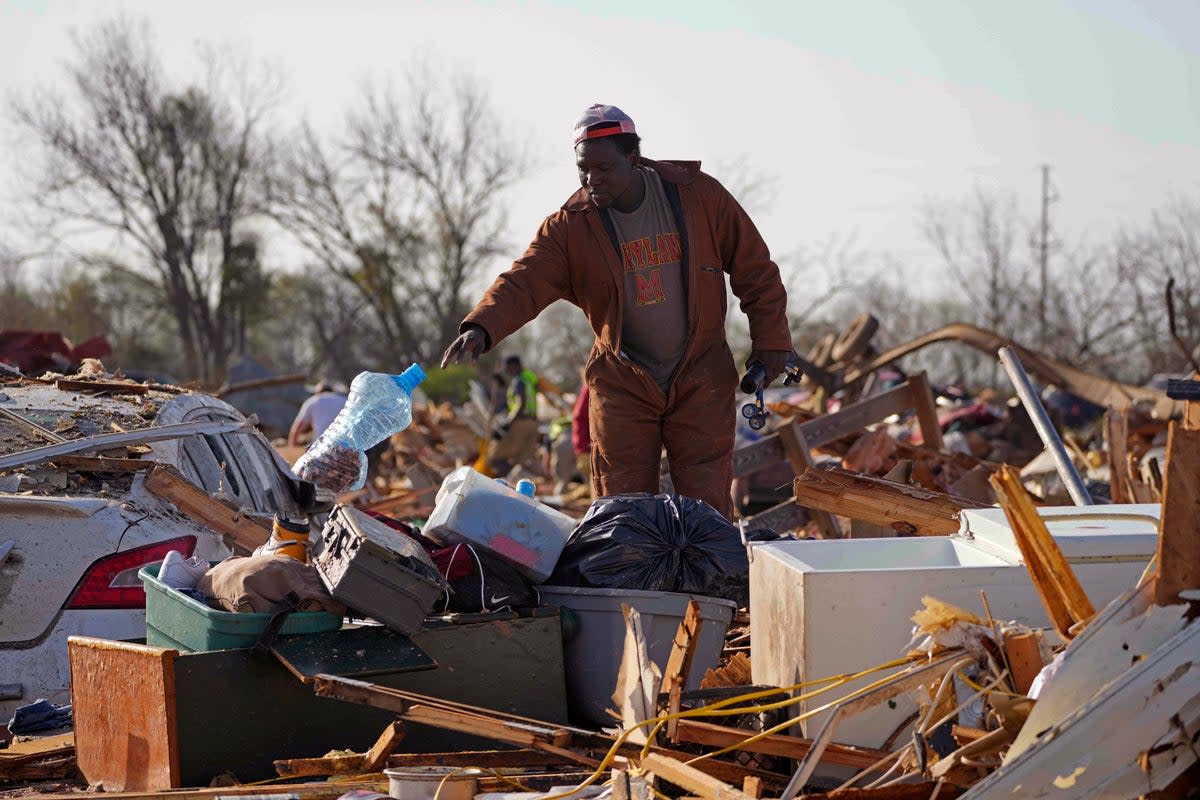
<point>601,120</point>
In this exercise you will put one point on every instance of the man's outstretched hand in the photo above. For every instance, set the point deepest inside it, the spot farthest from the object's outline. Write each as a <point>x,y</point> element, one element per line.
<point>467,347</point>
<point>774,361</point>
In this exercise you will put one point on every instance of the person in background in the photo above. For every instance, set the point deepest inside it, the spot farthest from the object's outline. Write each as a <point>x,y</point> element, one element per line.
<point>519,440</point>
<point>499,395</point>
<point>645,248</point>
<point>316,414</point>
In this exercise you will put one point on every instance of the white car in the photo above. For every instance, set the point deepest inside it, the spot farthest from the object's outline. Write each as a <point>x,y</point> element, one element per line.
<point>72,541</point>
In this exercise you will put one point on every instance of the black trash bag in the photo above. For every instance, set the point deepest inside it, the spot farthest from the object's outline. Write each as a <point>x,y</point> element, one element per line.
<point>480,581</point>
<point>661,543</point>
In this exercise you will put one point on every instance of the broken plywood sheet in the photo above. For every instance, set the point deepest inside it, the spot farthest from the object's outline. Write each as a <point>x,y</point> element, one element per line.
<point>1119,716</point>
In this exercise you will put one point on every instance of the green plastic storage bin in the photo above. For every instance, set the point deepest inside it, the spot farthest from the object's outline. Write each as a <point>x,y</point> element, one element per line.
<point>177,621</point>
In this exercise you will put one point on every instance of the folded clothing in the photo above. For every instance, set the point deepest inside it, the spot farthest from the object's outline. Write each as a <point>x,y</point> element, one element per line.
<point>39,716</point>
<point>257,584</point>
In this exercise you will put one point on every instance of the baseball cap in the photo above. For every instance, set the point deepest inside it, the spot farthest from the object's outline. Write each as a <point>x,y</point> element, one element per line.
<point>601,120</point>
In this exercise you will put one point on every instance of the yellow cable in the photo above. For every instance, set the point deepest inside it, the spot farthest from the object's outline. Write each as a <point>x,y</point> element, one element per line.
<point>721,708</point>
<point>979,688</point>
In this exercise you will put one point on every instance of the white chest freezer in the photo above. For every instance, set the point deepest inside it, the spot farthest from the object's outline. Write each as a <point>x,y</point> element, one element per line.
<point>827,607</point>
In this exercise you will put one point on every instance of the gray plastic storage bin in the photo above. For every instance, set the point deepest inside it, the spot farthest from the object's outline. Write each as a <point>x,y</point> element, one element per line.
<point>377,571</point>
<point>593,652</point>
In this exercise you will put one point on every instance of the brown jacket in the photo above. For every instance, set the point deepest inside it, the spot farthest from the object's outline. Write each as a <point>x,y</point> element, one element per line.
<point>574,258</point>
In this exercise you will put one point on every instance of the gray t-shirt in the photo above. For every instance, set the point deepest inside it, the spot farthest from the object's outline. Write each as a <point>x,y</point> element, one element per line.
<point>654,327</point>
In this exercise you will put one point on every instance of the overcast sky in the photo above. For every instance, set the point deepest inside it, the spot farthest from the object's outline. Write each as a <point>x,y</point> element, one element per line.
<point>861,111</point>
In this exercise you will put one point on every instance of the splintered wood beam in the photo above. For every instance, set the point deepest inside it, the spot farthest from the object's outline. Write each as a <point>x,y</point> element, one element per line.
<point>1179,526</point>
<point>376,758</point>
<point>679,663</point>
<point>904,508</point>
<point>690,778</point>
<point>1066,603</point>
<point>573,744</point>
<point>247,533</point>
<point>793,747</point>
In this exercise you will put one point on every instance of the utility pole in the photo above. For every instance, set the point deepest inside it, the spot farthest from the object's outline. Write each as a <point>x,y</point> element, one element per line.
<point>1044,252</point>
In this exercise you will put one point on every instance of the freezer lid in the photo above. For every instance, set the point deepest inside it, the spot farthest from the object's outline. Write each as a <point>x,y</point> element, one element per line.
<point>1082,532</point>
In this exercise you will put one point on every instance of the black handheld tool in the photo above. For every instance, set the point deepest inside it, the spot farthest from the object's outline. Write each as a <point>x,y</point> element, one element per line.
<point>754,381</point>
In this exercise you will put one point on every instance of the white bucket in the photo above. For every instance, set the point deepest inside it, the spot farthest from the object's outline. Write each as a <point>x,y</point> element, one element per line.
<point>421,783</point>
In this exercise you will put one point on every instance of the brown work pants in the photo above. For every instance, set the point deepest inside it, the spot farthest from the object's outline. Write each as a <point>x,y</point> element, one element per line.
<point>632,420</point>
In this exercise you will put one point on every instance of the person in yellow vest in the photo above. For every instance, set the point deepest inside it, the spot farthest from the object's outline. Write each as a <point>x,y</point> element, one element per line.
<point>519,441</point>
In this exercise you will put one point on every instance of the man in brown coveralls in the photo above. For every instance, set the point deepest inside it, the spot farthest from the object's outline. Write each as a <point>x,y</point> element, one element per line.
<point>642,248</point>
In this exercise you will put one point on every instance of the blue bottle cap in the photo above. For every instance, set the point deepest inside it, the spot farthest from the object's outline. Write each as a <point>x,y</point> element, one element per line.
<point>410,377</point>
<point>526,487</point>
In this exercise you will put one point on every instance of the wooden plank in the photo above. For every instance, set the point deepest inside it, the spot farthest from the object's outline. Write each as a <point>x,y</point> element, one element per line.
<point>246,532</point>
<point>1024,659</point>
<point>116,387</point>
<point>797,448</point>
<point>442,714</point>
<point>45,769</point>
<point>376,758</point>
<point>304,791</point>
<point>901,791</point>
<point>690,778</point>
<point>749,458</point>
<point>90,464</point>
<point>921,397</point>
<point>793,747</point>
<point>123,700</point>
<point>1116,437</point>
<point>820,431</point>
<point>1191,415</point>
<point>1179,533</point>
<point>782,517</point>
<point>752,786</point>
<point>321,767</point>
<point>904,508</point>
<point>490,759</point>
<point>679,663</point>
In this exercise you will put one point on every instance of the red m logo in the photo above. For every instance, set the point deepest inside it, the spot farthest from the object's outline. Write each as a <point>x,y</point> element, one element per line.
<point>650,288</point>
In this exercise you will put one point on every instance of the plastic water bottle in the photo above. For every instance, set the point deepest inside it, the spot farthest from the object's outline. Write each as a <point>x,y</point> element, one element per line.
<point>378,406</point>
<point>526,487</point>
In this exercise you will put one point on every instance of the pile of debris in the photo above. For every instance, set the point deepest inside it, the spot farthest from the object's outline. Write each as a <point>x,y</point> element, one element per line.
<point>472,639</point>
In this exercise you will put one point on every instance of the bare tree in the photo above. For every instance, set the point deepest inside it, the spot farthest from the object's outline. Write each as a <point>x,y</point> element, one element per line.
<point>408,205</point>
<point>977,248</point>
<point>1147,259</point>
<point>173,171</point>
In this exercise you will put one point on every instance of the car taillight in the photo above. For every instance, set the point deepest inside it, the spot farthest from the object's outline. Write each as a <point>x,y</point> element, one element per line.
<point>112,581</point>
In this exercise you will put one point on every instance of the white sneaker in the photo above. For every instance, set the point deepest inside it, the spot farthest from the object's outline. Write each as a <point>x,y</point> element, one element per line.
<point>180,573</point>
